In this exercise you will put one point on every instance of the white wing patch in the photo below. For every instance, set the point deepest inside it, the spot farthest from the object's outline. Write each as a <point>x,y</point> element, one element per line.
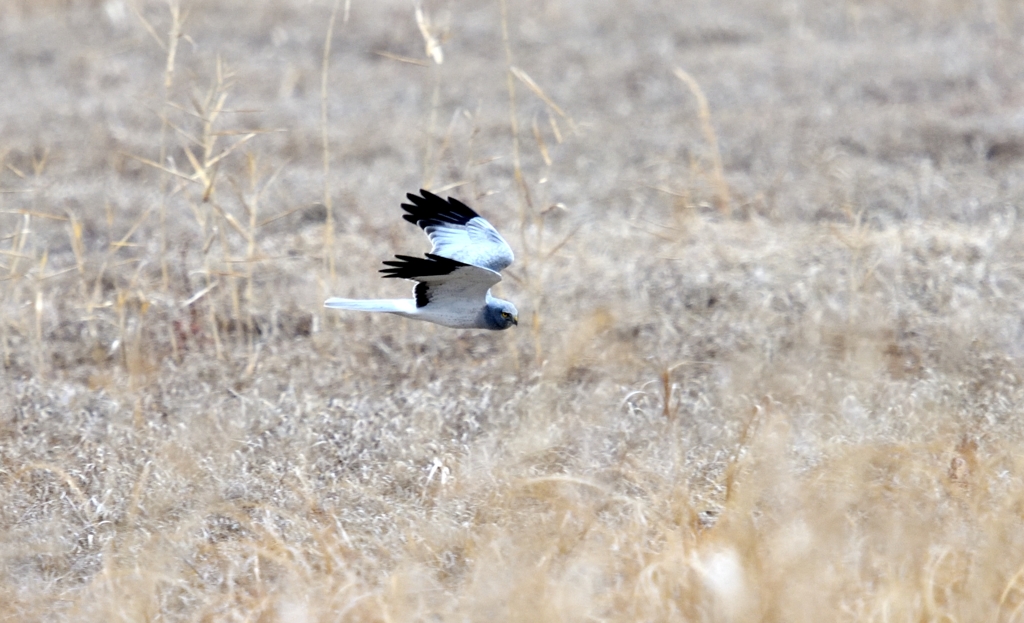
<point>457,232</point>
<point>447,291</point>
<point>445,280</point>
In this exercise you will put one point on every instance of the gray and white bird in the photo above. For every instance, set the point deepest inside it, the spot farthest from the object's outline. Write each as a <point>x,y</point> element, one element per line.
<point>453,281</point>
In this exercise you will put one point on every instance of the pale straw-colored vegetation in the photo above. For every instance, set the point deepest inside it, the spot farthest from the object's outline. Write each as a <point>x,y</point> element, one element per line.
<point>769,361</point>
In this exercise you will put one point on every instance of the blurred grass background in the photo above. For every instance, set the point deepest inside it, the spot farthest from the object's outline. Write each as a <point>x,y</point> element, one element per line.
<point>768,269</point>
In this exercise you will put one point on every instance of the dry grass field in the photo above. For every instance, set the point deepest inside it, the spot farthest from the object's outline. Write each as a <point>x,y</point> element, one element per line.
<point>770,278</point>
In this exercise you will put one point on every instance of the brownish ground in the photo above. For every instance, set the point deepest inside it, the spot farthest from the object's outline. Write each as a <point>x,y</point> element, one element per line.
<point>770,356</point>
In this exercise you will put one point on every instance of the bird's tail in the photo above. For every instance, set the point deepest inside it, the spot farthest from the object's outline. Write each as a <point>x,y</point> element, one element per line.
<point>392,306</point>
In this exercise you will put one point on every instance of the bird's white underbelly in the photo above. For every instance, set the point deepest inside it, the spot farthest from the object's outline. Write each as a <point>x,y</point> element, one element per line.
<point>462,318</point>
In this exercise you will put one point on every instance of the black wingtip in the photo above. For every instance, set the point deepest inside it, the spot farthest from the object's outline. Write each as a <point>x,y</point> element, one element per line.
<point>424,194</point>
<point>429,209</point>
<point>407,267</point>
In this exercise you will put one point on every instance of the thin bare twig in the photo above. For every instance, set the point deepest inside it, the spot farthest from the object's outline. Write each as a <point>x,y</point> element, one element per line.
<point>722,199</point>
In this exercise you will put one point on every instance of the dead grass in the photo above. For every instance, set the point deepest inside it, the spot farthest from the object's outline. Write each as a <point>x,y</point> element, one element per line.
<point>770,367</point>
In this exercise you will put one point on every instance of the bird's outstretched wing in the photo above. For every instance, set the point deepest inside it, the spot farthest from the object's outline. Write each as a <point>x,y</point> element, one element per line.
<point>443,284</point>
<point>457,232</point>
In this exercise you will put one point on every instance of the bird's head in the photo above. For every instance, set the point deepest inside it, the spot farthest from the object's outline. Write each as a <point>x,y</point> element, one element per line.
<point>501,314</point>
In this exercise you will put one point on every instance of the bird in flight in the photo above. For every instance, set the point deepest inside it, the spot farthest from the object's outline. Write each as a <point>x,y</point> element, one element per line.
<point>453,281</point>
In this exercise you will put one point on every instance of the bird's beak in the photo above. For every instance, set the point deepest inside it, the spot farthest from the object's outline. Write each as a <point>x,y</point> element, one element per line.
<point>515,320</point>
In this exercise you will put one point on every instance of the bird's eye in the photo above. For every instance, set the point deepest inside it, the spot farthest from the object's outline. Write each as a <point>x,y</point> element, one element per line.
<point>506,315</point>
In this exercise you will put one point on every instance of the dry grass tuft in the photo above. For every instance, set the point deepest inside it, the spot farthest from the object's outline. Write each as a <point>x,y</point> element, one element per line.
<point>769,369</point>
